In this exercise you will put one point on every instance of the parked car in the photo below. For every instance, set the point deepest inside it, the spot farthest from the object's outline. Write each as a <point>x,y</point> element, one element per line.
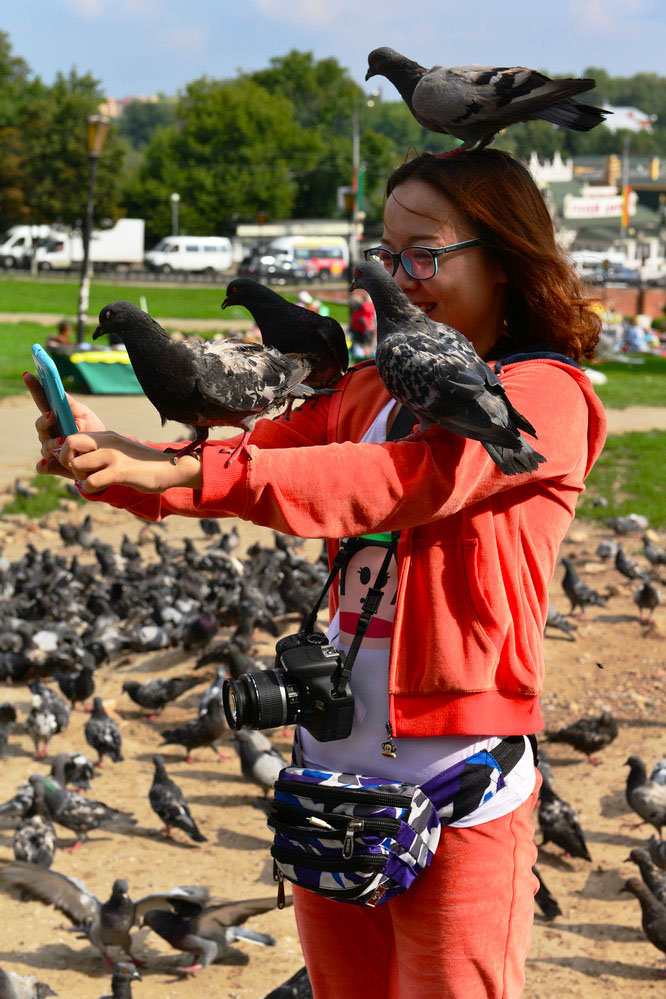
<point>195,254</point>
<point>277,270</point>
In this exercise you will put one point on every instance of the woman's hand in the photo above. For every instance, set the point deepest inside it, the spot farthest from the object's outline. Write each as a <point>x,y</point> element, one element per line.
<point>101,459</point>
<point>46,426</point>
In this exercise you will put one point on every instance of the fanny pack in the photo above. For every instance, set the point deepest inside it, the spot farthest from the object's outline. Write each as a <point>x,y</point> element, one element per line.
<point>364,840</point>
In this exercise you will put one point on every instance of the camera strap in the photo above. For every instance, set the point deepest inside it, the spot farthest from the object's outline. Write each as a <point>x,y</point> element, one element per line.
<point>401,426</point>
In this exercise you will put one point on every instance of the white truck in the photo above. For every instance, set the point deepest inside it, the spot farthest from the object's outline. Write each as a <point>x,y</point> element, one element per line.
<point>18,243</point>
<point>118,247</point>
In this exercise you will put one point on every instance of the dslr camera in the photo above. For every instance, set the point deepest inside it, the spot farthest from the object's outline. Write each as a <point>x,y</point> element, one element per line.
<point>307,685</point>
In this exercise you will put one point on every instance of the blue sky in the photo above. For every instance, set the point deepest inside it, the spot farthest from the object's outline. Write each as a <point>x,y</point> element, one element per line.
<point>150,46</point>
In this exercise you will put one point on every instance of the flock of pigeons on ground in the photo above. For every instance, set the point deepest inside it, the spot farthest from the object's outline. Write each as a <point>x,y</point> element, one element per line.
<point>64,618</point>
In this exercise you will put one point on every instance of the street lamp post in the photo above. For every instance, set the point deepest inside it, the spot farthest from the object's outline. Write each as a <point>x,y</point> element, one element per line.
<point>357,186</point>
<point>96,133</point>
<point>175,198</point>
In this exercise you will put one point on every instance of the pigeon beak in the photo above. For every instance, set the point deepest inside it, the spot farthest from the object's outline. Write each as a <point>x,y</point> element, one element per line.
<point>370,73</point>
<point>98,332</point>
<point>225,303</point>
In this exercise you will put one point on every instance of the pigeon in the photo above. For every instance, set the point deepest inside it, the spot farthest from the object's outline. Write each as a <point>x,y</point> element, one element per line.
<point>13,986</point>
<point>627,524</point>
<point>435,372</point>
<point>155,694</point>
<point>208,383</point>
<point>35,837</point>
<point>103,734</point>
<point>556,620</point>
<point>559,825</point>
<point>653,878</point>
<point>7,719</point>
<point>646,598</point>
<point>53,702</point>
<point>607,549</point>
<point>588,735</point>
<point>296,987</point>
<point>658,774</point>
<point>79,814</point>
<point>645,797</point>
<point>41,725</point>
<point>78,686</point>
<point>543,898</point>
<point>204,730</point>
<point>653,553</point>
<point>209,526</point>
<point>105,924</point>
<point>657,851</point>
<point>294,330</point>
<point>213,691</point>
<point>629,567</point>
<point>206,932</point>
<point>73,768</point>
<point>579,593</point>
<point>168,802</point>
<point>260,761</point>
<point>474,103</point>
<point>122,977</point>
<point>20,489</point>
<point>653,912</point>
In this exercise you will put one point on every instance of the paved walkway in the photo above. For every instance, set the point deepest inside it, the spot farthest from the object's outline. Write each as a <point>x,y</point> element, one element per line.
<point>135,416</point>
<point>170,323</point>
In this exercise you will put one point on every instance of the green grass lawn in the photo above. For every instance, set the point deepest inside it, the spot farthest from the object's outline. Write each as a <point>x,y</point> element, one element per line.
<point>62,298</point>
<point>633,384</point>
<point>631,475</point>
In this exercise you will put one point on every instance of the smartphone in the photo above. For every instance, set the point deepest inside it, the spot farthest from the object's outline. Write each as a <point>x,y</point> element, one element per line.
<point>49,376</point>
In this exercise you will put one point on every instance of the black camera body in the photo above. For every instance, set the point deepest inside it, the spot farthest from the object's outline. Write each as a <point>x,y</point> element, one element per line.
<point>303,687</point>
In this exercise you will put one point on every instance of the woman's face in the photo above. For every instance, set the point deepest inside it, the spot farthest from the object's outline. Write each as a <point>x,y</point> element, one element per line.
<point>467,292</point>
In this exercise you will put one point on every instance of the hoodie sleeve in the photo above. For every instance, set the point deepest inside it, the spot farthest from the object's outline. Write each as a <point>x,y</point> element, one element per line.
<point>299,485</point>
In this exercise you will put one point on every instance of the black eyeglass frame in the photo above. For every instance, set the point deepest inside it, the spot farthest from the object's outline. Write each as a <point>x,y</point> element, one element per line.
<point>434,251</point>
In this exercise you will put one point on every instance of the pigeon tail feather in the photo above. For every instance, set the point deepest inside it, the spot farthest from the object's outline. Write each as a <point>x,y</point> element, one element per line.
<point>512,461</point>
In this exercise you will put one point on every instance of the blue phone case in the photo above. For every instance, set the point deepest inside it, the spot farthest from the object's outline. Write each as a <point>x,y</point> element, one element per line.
<point>55,393</point>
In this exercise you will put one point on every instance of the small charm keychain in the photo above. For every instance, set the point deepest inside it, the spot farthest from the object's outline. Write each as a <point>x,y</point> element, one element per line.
<point>388,748</point>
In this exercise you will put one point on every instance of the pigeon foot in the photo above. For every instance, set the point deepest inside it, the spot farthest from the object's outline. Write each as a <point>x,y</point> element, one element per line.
<point>179,452</point>
<point>190,969</point>
<point>240,449</point>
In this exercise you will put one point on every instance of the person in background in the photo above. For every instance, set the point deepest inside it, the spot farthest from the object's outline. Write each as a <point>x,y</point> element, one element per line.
<point>635,341</point>
<point>362,326</point>
<point>63,338</point>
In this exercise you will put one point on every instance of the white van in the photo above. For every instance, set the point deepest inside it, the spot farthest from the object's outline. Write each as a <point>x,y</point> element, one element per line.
<point>196,254</point>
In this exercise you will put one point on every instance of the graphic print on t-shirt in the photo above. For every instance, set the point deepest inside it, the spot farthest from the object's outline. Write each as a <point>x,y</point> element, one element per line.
<point>356,577</point>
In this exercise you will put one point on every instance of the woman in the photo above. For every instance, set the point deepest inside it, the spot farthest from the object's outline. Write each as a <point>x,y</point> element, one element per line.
<point>453,661</point>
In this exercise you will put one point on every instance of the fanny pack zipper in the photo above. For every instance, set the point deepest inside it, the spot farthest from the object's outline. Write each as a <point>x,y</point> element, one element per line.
<point>299,859</point>
<point>364,796</point>
<point>353,827</point>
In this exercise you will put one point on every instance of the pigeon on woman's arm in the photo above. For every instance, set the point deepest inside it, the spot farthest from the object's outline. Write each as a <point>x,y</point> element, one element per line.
<point>474,103</point>
<point>204,383</point>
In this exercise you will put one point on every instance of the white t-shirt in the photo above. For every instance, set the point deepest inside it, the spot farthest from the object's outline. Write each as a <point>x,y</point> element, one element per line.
<point>416,760</point>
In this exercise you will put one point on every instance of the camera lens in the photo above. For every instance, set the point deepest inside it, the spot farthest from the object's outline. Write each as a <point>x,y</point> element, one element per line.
<point>260,700</point>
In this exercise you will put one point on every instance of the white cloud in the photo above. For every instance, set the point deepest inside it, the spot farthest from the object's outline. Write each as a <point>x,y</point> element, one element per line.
<point>87,8</point>
<point>608,17</point>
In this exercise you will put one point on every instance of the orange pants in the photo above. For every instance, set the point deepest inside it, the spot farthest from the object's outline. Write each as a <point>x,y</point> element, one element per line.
<point>462,931</point>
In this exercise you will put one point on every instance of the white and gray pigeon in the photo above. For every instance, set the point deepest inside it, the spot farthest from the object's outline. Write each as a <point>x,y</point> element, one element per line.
<point>260,761</point>
<point>435,371</point>
<point>205,383</point>
<point>474,103</point>
<point>645,796</point>
<point>13,986</point>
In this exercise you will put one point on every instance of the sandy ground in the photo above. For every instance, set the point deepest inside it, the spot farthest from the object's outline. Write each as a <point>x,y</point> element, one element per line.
<point>595,947</point>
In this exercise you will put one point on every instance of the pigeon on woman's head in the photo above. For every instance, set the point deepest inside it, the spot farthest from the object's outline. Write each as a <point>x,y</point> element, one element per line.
<point>474,103</point>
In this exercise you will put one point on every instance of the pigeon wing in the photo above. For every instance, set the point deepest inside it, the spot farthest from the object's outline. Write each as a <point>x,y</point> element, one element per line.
<point>247,377</point>
<point>234,913</point>
<point>67,894</point>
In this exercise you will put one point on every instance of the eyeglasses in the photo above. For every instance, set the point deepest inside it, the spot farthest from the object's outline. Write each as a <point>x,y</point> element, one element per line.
<point>420,262</point>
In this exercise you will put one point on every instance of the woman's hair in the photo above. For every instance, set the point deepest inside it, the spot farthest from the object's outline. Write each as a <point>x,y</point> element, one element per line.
<point>546,302</point>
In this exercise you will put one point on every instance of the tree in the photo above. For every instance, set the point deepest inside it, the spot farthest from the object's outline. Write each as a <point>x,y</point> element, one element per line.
<point>141,119</point>
<point>232,154</point>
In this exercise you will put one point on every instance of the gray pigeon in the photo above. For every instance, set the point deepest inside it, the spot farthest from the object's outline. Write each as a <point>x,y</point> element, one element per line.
<point>168,802</point>
<point>13,986</point>
<point>105,924</point>
<point>653,553</point>
<point>260,761</point>
<point>434,371</point>
<point>543,898</point>
<point>647,597</point>
<point>35,836</point>
<point>204,383</point>
<point>629,567</point>
<point>7,719</point>
<point>657,851</point>
<point>122,977</point>
<point>155,694</point>
<point>555,619</point>
<point>653,912</point>
<point>214,691</point>
<point>559,825</point>
<point>652,876</point>
<point>296,987</point>
<point>579,593</point>
<point>646,797</point>
<point>81,815</point>
<point>588,735</point>
<point>103,734</point>
<point>474,103</point>
<point>207,931</point>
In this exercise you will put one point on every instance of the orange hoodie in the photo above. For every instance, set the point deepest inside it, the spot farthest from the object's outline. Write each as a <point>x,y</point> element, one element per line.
<point>477,548</point>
